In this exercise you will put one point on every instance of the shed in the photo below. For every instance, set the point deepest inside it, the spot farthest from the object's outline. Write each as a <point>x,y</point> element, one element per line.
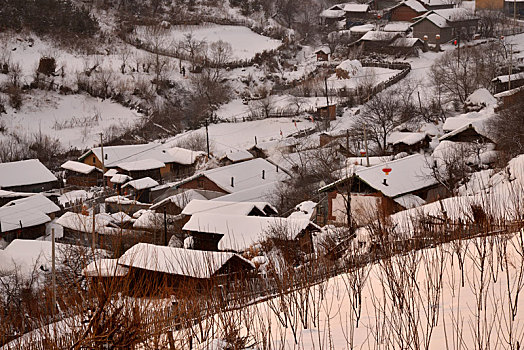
<point>26,176</point>
<point>156,269</point>
<point>81,174</point>
<point>407,10</point>
<point>141,188</point>
<point>323,54</point>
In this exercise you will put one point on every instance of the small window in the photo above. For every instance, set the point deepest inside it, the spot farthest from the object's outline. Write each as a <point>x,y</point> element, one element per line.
<point>200,183</point>
<point>94,160</point>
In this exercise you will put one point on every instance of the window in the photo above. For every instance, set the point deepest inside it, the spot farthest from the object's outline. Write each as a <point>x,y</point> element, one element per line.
<point>94,160</point>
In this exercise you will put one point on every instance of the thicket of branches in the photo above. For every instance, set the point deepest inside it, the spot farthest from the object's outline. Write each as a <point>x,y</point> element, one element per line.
<point>55,17</point>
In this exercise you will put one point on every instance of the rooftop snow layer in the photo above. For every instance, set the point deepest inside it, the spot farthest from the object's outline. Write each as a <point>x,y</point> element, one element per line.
<point>481,96</point>
<point>176,261</point>
<point>506,78</point>
<point>142,184</point>
<point>374,35</point>
<point>408,138</point>
<point>356,8</point>
<point>241,232</point>
<point>104,268</point>
<point>228,208</point>
<point>36,202</point>
<point>180,199</point>
<point>238,156</point>
<point>332,13</point>
<point>24,172</point>
<point>139,165</point>
<point>12,218</point>
<point>414,5</point>
<point>398,26</point>
<point>120,178</point>
<point>409,201</point>
<point>78,167</point>
<point>245,175</point>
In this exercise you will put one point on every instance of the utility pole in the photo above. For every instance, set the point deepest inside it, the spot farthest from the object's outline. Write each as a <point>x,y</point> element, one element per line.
<point>366,144</point>
<point>165,226</point>
<point>53,270</point>
<point>93,243</point>
<point>103,161</point>
<point>207,139</point>
<point>327,104</point>
<point>510,65</point>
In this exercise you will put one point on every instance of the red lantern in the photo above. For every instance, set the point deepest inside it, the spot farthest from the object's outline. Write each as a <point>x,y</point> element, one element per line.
<point>455,42</point>
<point>362,152</point>
<point>379,16</point>
<point>386,170</point>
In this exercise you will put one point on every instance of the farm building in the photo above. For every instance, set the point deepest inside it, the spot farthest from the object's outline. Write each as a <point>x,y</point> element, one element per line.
<point>409,182</point>
<point>26,176</point>
<point>178,162</point>
<point>437,4</point>
<point>26,224</point>
<point>447,23</point>
<point>238,233</point>
<point>323,54</point>
<point>141,189</point>
<point>174,204</point>
<point>508,82</point>
<point>155,269</point>
<point>409,142</point>
<point>407,10</point>
<point>235,157</point>
<point>81,174</point>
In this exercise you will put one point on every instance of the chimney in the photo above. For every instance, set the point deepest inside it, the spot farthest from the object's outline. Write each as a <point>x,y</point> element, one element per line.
<point>263,174</point>
<point>105,156</point>
<point>277,168</point>
<point>385,182</point>
<point>232,181</point>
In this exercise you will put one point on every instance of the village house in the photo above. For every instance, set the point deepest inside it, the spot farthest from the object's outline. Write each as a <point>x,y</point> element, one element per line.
<point>489,4</point>
<point>251,177</point>
<point>8,196</point>
<point>357,12</point>
<point>178,162</point>
<point>406,11</point>
<point>235,157</point>
<point>239,232</point>
<point>467,133</point>
<point>141,188</point>
<point>36,202</point>
<point>81,174</point>
<point>323,54</point>
<point>142,168</point>
<point>155,270</point>
<point>108,273</point>
<point>377,41</point>
<point>26,176</point>
<point>508,82</point>
<point>447,23</point>
<point>117,181</point>
<point>333,15</point>
<point>82,229</point>
<point>22,222</point>
<point>511,97</point>
<point>409,142</point>
<point>509,7</point>
<point>384,188</point>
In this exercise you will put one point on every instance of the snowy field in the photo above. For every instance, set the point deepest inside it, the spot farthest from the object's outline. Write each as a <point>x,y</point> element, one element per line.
<point>244,42</point>
<point>75,120</point>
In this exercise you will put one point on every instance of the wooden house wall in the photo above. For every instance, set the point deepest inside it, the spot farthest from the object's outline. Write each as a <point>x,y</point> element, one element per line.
<point>33,188</point>
<point>404,13</point>
<point>426,27</point>
<point>84,180</point>
<point>32,232</point>
<point>202,183</point>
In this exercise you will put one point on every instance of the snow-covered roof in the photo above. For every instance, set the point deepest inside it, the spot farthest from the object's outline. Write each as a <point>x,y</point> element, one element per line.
<point>176,261</point>
<point>142,184</point>
<point>481,96</point>
<point>24,172</point>
<point>261,193</point>
<point>245,175</point>
<point>228,208</point>
<point>374,35</point>
<point>364,28</point>
<point>238,156</point>
<point>434,2</point>
<point>78,167</point>
<point>111,172</point>
<point>104,268</point>
<point>303,210</point>
<point>398,26</point>
<point>476,127</point>
<point>139,165</point>
<point>408,138</point>
<point>405,42</point>
<point>121,217</point>
<point>120,178</point>
<point>350,66</point>
<point>150,220</point>
<point>437,20</point>
<point>506,78</point>
<point>84,223</point>
<point>509,92</point>
<point>241,232</point>
<point>113,155</point>
<point>409,201</point>
<point>11,217</point>
<point>324,49</point>
<point>332,13</point>
<point>408,174</point>
<point>11,194</point>
<point>181,199</point>
<point>122,200</point>
<point>477,119</point>
<point>356,8</point>
<point>413,4</point>
<point>183,156</point>
<point>455,14</point>
<point>36,202</point>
